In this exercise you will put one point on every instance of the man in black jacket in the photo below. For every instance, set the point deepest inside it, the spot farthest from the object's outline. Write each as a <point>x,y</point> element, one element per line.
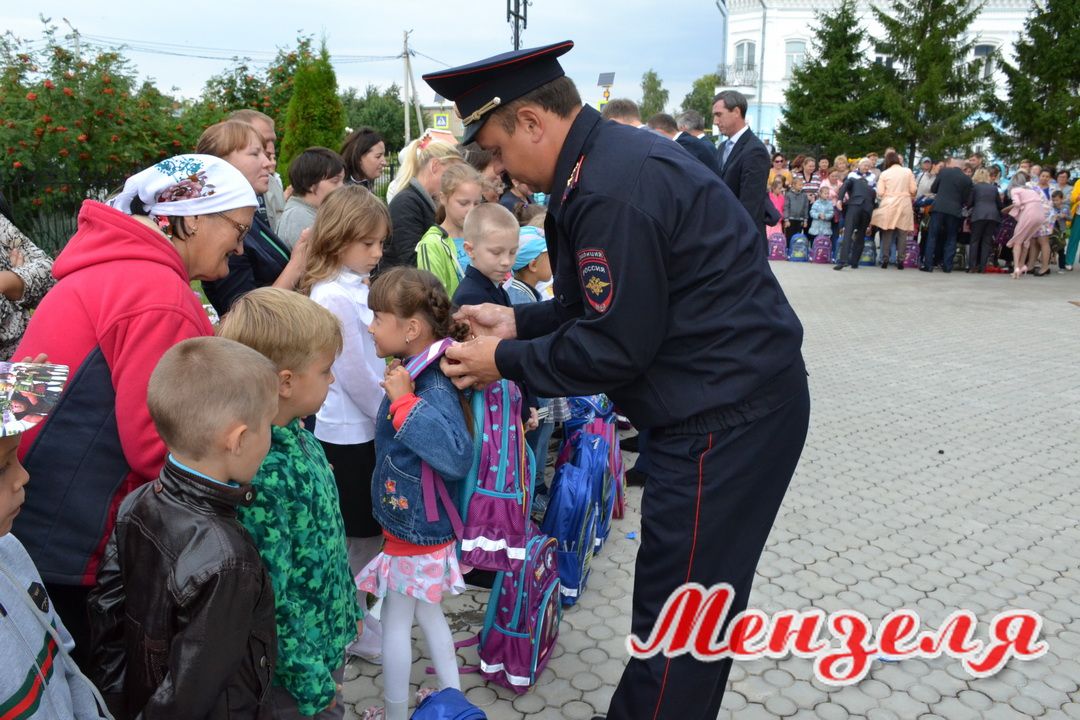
<point>701,149</point>
<point>952,191</point>
<point>744,162</point>
<point>857,199</point>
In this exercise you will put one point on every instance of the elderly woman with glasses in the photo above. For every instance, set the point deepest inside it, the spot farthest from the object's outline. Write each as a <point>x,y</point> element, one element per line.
<point>123,297</point>
<point>266,259</point>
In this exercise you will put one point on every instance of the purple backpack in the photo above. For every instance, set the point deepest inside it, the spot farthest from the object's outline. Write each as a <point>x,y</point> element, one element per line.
<point>522,620</point>
<point>777,247</point>
<point>822,252</point>
<point>496,494</point>
<point>911,251</point>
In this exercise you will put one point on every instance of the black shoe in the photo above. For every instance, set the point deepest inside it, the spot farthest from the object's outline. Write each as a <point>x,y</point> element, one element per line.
<point>635,478</point>
<point>944,270</point>
<point>476,578</point>
<point>629,444</point>
<point>884,265</point>
<point>839,266</point>
<point>925,269</point>
<point>899,266</point>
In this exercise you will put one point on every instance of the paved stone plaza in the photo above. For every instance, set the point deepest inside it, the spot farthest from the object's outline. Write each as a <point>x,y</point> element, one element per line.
<point>942,471</point>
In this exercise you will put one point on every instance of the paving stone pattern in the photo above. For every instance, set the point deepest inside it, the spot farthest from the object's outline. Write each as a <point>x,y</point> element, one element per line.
<point>942,471</point>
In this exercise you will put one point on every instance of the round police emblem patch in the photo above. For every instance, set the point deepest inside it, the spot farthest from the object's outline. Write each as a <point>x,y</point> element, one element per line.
<point>596,280</point>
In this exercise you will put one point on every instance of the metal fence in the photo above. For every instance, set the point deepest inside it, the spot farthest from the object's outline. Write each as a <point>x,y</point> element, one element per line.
<point>46,207</point>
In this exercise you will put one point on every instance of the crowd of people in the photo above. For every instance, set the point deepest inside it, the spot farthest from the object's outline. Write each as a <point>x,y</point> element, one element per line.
<point>1016,222</point>
<point>316,288</point>
<point>296,417</point>
<point>1020,222</point>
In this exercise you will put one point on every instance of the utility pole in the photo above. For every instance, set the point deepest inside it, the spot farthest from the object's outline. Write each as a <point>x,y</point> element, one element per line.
<point>414,98</point>
<point>517,12</point>
<point>74,34</point>
<point>405,89</point>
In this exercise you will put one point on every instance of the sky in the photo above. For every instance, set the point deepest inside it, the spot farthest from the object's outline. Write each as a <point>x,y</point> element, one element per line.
<point>679,39</point>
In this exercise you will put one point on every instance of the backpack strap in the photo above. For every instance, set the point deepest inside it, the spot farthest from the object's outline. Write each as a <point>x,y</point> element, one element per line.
<point>421,362</point>
<point>430,481</point>
<point>431,484</point>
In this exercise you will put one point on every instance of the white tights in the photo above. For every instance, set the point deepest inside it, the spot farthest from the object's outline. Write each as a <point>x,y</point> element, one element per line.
<point>397,620</point>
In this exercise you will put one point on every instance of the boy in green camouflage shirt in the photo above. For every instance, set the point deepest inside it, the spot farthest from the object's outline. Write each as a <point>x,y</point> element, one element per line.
<point>295,519</point>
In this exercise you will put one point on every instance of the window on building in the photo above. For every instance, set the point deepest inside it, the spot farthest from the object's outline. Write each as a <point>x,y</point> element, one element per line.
<point>882,57</point>
<point>984,55</point>
<point>795,52</point>
<point>745,55</point>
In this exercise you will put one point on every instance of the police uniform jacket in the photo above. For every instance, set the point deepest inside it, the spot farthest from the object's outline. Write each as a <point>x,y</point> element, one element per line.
<point>663,298</point>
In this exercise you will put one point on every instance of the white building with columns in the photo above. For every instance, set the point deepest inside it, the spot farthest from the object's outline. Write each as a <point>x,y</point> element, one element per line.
<point>767,38</point>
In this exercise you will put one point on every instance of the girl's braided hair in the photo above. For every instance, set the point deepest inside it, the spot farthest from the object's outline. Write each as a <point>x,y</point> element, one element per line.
<point>408,291</point>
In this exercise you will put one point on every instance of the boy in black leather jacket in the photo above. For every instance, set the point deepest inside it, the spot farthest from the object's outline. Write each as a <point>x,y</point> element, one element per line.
<point>182,615</point>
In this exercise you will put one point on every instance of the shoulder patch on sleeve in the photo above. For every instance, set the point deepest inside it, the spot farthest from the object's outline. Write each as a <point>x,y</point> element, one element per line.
<point>596,279</point>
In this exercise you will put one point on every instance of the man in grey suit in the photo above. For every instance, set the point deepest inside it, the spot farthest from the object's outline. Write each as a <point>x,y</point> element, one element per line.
<point>744,162</point>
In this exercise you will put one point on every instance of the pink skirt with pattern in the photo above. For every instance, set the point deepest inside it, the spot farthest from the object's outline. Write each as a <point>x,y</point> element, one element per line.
<point>424,577</point>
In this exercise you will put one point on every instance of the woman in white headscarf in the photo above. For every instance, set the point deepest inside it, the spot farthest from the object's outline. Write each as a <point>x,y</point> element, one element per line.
<point>123,297</point>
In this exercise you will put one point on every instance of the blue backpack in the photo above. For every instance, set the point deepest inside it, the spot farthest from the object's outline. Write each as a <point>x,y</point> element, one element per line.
<point>593,416</point>
<point>447,704</point>
<point>800,250</point>
<point>573,519</point>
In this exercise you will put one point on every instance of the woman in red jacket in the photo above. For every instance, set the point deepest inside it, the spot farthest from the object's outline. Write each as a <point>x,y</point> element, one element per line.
<point>123,298</point>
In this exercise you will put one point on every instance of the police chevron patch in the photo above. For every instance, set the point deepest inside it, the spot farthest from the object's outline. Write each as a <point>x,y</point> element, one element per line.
<point>596,279</point>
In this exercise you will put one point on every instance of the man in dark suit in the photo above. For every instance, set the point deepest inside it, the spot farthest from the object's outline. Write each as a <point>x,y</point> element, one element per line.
<point>744,162</point>
<point>952,191</point>
<point>701,149</point>
<point>857,198</point>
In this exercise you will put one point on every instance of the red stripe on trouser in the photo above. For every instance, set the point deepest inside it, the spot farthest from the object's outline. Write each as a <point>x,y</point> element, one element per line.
<point>690,563</point>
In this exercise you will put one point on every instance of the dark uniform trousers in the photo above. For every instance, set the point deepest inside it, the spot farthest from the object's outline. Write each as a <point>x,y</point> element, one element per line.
<point>707,511</point>
<point>856,220</point>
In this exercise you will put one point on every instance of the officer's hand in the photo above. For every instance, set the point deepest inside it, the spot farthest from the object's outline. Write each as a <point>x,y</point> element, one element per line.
<point>534,419</point>
<point>489,319</point>
<point>472,363</point>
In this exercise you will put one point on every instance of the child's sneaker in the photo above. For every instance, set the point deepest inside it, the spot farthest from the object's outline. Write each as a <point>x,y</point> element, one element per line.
<point>539,506</point>
<point>366,647</point>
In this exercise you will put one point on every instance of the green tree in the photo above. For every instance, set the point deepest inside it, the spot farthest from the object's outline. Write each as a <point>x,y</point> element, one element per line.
<point>382,110</point>
<point>237,87</point>
<point>1040,115</point>
<point>73,127</point>
<point>700,97</point>
<point>830,104</point>
<point>315,115</point>
<point>279,76</point>
<point>653,95</point>
<point>931,93</point>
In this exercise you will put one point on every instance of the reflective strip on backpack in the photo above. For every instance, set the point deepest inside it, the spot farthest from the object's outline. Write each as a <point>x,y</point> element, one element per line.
<point>487,545</point>
<point>512,679</point>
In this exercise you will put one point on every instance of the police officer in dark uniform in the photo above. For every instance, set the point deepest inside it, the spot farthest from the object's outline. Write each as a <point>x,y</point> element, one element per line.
<point>664,301</point>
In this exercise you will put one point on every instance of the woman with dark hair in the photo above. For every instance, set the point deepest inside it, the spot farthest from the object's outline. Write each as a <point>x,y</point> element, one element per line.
<point>516,193</point>
<point>266,259</point>
<point>894,216</point>
<point>364,153</point>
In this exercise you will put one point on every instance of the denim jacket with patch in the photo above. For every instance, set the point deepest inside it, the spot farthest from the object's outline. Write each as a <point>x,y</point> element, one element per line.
<point>434,431</point>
